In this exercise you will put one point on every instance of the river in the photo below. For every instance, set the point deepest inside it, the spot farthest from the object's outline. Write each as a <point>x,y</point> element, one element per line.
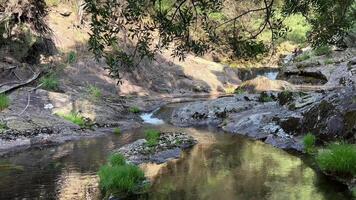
<point>220,166</point>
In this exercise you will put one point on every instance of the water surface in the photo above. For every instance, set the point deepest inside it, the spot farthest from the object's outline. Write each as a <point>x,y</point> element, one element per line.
<point>221,166</point>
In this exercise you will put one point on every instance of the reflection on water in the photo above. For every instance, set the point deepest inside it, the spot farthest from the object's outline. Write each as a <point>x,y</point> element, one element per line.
<point>219,167</point>
<point>233,168</point>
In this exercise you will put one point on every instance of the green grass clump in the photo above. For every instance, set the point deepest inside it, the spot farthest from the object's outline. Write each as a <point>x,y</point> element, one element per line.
<point>3,127</point>
<point>71,57</point>
<point>302,57</point>
<point>117,131</point>
<point>338,158</point>
<point>152,137</point>
<point>328,61</point>
<point>75,118</point>
<point>94,92</point>
<point>119,178</point>
<point>239,91</point>
<point>322,50</point>
<point>117,159</point>
<point>134,109</point>
<point>50,83</point>
<point>309,143</point>
<point>4,101</point>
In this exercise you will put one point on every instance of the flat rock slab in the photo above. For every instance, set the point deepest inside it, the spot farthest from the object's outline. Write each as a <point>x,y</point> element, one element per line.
<point>170,146</point>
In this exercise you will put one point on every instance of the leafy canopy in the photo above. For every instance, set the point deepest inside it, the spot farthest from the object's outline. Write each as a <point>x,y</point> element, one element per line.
<point>196,26</point>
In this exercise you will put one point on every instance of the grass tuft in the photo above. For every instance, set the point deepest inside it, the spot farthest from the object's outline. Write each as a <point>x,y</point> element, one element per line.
<point>75,118</point>
<point>338,158</point>
<point>264,97</point>
<point>50,83</point>
<point>309,143</point>
<point>302,57</point>
<point>119,178</point>
<point>71,57</point>
<point>94,92</point>
<point>134,109</point>
<point>4,102</point>
<point>3,127</point>
<point>152,137</point>
<point>239,91</point>
<point>117,131</point>
<point>117,160</point>
<point>322,50</point>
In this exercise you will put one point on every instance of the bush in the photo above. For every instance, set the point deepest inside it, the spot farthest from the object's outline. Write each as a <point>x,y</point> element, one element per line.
<point>117,131</point>
<point>152,137</point>
<point>134,109</point>
<point>75,118</point>
<point>118,178</point>
<point>4,101</point>
<point>322,50</point>
<point>299,28</point>
<point>309,143</point>
<point>50,83</point>
<point>94,92</point>
<point>71,57</point>
<point>338,158</point>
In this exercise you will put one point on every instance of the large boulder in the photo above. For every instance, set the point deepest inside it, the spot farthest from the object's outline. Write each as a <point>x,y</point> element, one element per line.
<point>334,117</point>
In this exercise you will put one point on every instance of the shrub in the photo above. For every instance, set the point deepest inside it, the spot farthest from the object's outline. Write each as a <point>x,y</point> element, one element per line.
<point>118,178</point>
<point>75,118</point>
<point>309,143</point>
<point>117,131</point>
<point>94,92</point>
<point>4,101</point>
<point>152,137</point>
<point>302,57</point>
<point>322,50</point>
<point>50,82</point>
<point>299,28</point>
<point>338,158</point>
<point>134,109</point>
<point>71,57</point>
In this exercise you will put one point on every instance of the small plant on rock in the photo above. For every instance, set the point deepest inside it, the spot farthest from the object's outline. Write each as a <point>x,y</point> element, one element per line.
<point>264,97</point>
<point>134,109</point>
<point>4,101</point>
<point>94,92</point>
<point>71,57</point>
<point>338,158</point>
<point>3,127</point>
<point>117,131</point>
<point>120,179</point>
<point>323,50</point>
<point>152,137</point>
<point>75,118</point>
<point>50,82</point>
<point>239,90</point>
<point>309,143</point>
<point>302,57</point>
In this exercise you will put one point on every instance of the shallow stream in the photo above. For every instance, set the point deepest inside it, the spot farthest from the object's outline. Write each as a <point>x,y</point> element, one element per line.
<point>221,166</point>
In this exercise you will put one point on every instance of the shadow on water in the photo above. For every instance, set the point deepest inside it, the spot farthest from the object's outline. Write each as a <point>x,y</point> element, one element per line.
<point>221,166</point>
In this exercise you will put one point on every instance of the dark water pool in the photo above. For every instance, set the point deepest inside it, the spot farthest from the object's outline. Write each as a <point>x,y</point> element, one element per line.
<point>221,166</point>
